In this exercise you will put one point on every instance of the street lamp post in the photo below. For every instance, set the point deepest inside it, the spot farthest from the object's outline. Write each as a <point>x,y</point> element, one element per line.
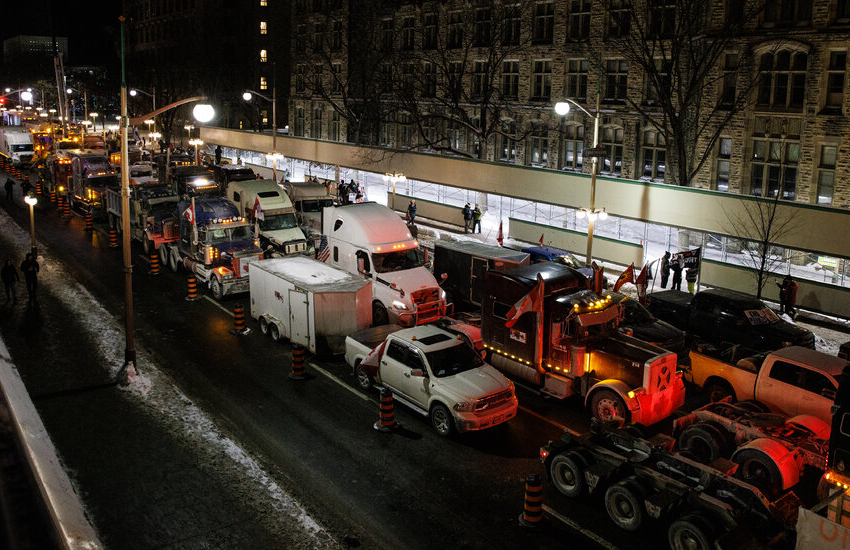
<point>395,177</point>
<point>136,91</point>
<point>196,143</point>
<point>31,200</point>
<point>562,108</point>
<point>247,97</point>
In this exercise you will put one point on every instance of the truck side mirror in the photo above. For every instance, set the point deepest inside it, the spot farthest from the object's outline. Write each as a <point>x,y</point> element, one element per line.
<point>361,265</point>
<point>444,276</point>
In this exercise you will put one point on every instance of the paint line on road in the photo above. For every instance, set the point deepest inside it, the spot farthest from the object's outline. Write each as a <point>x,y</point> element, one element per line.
<point>548,420</point>
<point>219,306</point>
<point>577,527</point>
<point>340,382</point>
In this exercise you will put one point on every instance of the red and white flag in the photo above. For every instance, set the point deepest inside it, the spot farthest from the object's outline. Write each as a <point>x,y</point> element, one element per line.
<point>541,238</point>
<point>190,212</point>
<point>533,301</point>
<point>258,210</point>
<point>371,361</point>
<point>500,237</point>
<point>643,275</point>
<point>627,276</point>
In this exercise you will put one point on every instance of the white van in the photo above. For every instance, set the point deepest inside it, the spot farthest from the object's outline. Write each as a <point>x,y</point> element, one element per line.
<point>371,239</point>
<point>16,144</point>
<point>276,216</point>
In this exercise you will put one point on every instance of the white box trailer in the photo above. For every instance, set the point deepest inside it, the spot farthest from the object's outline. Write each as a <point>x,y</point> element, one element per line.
<point>309,302</point>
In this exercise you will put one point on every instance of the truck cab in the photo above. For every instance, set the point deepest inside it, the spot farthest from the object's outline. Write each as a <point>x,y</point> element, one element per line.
<point>16,144</point>
<point>91,176</point>
<point>226,173</point>
<point>371,239</point>
<point>309,199</point>
<point>193,181</point>
<point>264,202</point>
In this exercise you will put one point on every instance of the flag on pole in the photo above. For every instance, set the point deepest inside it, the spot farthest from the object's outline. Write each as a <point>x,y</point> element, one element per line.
<point>643,276</point>
<point>541,239</point>
<point>324,250</point>
<point>627,276</point>
<point>190,212</point>
<point>500,237</point>
<point>258,210</point>
<point>370,362</point>
<point>533,301</point>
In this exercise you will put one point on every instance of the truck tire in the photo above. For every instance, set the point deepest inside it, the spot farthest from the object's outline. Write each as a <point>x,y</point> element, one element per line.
<point>264,326</point>
<point>607,405</point>
<point>690,532</point>
<point>216,288</point>
<point>173,262</point>
<point>364,379</point>
<point>757,469</point>
<point>442,420</point>
<point>624,503</point>
<point>379,314</point>
<point>274,332</point>
<point>705,441</point>
<point>567,473</point>
<point>717,390</point>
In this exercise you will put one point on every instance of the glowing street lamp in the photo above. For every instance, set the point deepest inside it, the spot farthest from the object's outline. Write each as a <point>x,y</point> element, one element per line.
<point>196,143</point>
<point>31,200</point>
<point>395,177</point>
<point>274,157</point>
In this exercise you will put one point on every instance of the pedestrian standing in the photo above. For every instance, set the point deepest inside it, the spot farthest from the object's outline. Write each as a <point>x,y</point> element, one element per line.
<point>676,267</point>
<point>665,268</point>
<point>411,211</point>
<point>467,218</point>
<point>476,219</point>
<point>788,296</point>
<point>10,278</point>
<point>218,154</point>
<point>9,187</point>
<point>29,267</point>
<point>691,278</point>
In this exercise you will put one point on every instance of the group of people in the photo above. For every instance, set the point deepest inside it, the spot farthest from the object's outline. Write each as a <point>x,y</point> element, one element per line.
<point>9,275</point>
<point>348,193</point>
<point>675,265</point>
<point>471,219</point>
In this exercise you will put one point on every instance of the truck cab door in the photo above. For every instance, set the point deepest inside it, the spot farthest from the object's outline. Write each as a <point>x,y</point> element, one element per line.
<point>817,395</point>
<point>780,387</point>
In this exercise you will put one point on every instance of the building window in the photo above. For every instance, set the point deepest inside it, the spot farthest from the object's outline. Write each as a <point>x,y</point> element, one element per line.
<point>429,88</point>
<point>826,173</point>
<point>387,34</point>
<point>572,147</point>
<point>842,11</point>
<point>662,17</point>
<point>510,79</point>
<point>405,131</point>
<point>774,167</point>
<point>479,78</point>
<point>655,89</point>
<point>541,85</point>
<point>483,25</point>
<point>543,22</point>
<point>455,78</point>
<point>336,76</point>
<point>782,83</point>
<point>317,6</point>
<point>300,78</point>
<point>408,77</point>
<point>511,28</point>
<point>264,3</point>
<point>612,142</point>
<point>300,121</point>
<point>616,79</point>
<point>618,19</point>
<point>724,153</point>
<point>264,27</point>
<point>407,28</point>
<point>316,129</point>
<point>385,134</point>
<point>264,114</point>
<point>264,84</point>
<point>318,78</point>
<point>654,153</point>
<point>301,38</point>
<point>454,133</point>
<point>455,30</point>
<point>579,20</point>
<point>430,32</point>
<point>263,56</point>
<point>835,79</point>
<point>386,83</point>
<point>507,142</point>
<point>539,143</point>
<point>318,36</point>
<point>577,79</point>
<point>336,36</point>
<point>787,13</point>
<point>730,79</point>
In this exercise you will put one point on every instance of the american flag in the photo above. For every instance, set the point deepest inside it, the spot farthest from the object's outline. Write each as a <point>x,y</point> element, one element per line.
<point>324,250</point>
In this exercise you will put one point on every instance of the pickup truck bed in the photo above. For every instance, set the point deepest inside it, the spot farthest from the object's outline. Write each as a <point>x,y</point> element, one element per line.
<point>373,337</point>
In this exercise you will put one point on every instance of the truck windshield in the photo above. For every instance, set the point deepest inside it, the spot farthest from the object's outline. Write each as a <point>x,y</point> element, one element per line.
<point>569,261</point>
<point>454,360</point>
<point>239,233</point>
<point>315,205</point>
<point>22,147</point>
<point>396,261</point>
<point>103,181</point>
<point>634,312</point>
<point>278,221</point>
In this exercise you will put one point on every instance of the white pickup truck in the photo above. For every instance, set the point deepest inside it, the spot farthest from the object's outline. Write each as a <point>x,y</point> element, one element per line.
<point>435,373</point>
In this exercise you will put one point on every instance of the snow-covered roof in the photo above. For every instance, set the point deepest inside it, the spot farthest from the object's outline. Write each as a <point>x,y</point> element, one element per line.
<point>312,274</point>
<point>370,222</point>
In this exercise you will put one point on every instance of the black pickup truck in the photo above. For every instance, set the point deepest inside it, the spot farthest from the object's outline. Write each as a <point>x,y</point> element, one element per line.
<point>723,316</point>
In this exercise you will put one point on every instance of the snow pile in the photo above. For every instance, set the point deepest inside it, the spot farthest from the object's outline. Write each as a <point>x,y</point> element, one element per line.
<point>305,271</point>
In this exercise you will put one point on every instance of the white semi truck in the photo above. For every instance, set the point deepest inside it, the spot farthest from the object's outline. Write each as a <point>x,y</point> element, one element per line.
<point>266,204</point>
<point>16,145</point>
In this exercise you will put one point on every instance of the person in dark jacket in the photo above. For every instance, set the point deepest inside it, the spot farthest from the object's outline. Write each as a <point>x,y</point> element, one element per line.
<point>467,218</point>
<point>411,211</point>
<point>665,268</point>
<point>218,154</point>
<point>476,219</point>
<point>29,267</point>
<point>788,296</point>
<point>676,267</point>
<point>10,279</point>
<point>10,186</point>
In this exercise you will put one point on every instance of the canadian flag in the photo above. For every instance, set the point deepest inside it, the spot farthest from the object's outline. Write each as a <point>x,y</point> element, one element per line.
<point>533,301</point>
<point>370,362</point>
<point>501,236</point>
<point>190,212</point>
<point>258,210</point>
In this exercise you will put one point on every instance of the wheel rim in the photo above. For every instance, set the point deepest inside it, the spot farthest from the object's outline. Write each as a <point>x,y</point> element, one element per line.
<point>687,539</point>
<point>264,326</point>
<point>564,475</point>
<point>441,420</point>
<point>717,393</point>
<point>754,470</point>
<point>274,332</point>
<point>609,408</point>
<point>362,377</point>
<point>623,508</point>
<point>216,289</point>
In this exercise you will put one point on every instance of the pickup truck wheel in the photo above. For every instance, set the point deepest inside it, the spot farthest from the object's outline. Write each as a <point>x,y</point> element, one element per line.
<point>274,332</point>
<point>364,379</point>
<point>379,315</point>
<point>717,390</point>
<point>216,288</point>
<point>607,405</point>
<point>624,503</point>
<point>442,420</point>
<point>264,326</point>
<point>567,473</point>
<point>690,532</point>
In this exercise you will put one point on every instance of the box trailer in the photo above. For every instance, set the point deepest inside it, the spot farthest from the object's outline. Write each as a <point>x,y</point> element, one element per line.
<point>309,302</point>
<point>466,262</point>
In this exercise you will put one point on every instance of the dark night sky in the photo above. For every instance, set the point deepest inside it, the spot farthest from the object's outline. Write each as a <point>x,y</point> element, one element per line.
<point>91,26</point>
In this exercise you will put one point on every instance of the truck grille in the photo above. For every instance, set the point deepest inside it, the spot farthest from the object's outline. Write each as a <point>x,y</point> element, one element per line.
<point>426,295</point>
<point>429,307</point>
<point>493,401</point>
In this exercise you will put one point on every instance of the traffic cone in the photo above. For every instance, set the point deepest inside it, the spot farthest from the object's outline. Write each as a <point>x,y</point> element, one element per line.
<point>89,223</point>
<point>53,196</point>
<point>38,186</point>
<point>298,372</point>
<point>532,512</point>
<point>113,237</point>
<point>386,422</point>
<point>155,269</point>
<point>66,210</point>
<point>239,320</point>
<point>192,289</point>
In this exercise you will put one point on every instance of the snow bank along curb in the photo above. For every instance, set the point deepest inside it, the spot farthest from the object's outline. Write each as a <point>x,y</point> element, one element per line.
<point>73,529</point>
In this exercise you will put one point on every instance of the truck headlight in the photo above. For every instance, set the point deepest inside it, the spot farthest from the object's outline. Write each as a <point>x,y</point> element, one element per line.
<point>443,294</point>
<point>464,406</point>
<point>399,305</point>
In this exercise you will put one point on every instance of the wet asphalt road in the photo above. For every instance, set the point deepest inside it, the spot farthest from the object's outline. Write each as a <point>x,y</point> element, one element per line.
<point>411,489</point>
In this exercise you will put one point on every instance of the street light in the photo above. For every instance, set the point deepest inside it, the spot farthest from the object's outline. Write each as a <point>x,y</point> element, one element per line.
<point>395,177</point>
<point>247,97</point>
<point>136,91</point>
<point>562,108</point>
<point>196,143</point>
<point>31,199</point>
<point>274,157</point>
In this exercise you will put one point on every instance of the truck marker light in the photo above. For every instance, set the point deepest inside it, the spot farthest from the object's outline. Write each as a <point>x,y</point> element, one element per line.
<point>544,453</point>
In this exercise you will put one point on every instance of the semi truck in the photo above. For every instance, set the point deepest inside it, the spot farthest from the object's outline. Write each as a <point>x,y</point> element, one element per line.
<point>265,203</point>
<point>215,243</point>
<point>193,181</point>
<point>16,145</point>
<point>152,216</point>
<point>372,240</point>
<point>309,199</point>
<point>542,324</point>
<point>91,176</point>
<point>466,262</point>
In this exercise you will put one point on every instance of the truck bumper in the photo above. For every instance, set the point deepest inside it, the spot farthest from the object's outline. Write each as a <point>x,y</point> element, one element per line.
<point>236,286</point>
<point>470,422</point>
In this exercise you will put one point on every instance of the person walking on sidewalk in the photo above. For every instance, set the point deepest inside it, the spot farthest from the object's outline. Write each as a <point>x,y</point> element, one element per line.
<point>10,279</point>
<point>476,219</point>
<point>411,212</point>
<point>467,218</point>
<point>10,185</point>
<point>665,268</point>
<point>29,267</point>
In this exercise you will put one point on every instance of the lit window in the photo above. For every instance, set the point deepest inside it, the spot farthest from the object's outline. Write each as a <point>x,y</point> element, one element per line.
<point>654,155</point>
<point>572,146</point>
<point>264,27</point>
<point>263,56</point>
<point>724,152</point>
<point>264,2</point>
<point>264,84</point>
<point>826,173</point>
<point>774,167</point>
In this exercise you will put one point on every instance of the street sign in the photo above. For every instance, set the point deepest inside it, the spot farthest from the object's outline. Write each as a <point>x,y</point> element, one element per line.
<point>591,152</point>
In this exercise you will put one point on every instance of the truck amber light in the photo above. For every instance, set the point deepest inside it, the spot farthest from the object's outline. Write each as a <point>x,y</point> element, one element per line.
<point>544,453</point>
<point>587,362</point>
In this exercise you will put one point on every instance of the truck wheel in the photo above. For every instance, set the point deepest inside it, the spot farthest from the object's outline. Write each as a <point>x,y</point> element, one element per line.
<point>216,288</point>
<point>364,379</point>
<point>264,326</point>
<point>274,332</point>
<point>442,420</point>
<point>607,405</point>
<point>624,503</point>
<point>717,390</point>
<point>757,469</point>
<point>567,473</point>
<point>705,441</point>
<point>173,262</point>
<point>690,532</point>
<point>379,314</point>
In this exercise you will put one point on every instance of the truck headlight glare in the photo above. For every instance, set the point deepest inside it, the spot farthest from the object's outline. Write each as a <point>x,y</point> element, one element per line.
<point>399,305</point>
<point>464,406</point>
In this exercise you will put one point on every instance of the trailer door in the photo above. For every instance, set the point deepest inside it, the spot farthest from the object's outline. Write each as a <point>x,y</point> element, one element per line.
<point>476,288</point>
<point>299,318</point>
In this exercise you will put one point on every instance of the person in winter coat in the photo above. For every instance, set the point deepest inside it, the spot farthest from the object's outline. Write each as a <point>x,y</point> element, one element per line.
<point>676,267</point>
<point>10,186</point>
<point>665,269</point>
<point>788,296</point>
<point>691,278</point>
<point>476,219</point>
<point>467,218</point>
<point>218,154</point>
<point>411,212</point>
<point>29,267</point>
<point>10,278</point>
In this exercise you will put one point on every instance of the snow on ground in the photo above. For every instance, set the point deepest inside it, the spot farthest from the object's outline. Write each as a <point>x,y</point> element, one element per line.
<point>152,387</point>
